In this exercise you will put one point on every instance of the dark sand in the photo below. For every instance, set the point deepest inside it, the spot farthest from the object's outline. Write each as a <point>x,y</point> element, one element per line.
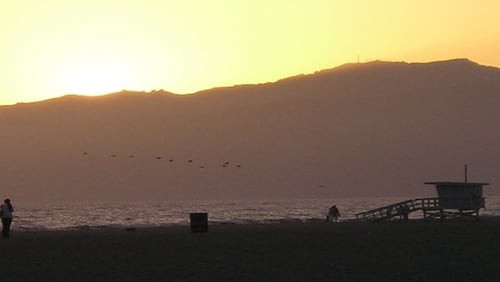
<point>414,251</point>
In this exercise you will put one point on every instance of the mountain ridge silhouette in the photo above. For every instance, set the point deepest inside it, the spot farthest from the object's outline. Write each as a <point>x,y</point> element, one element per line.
<point>457,63</point>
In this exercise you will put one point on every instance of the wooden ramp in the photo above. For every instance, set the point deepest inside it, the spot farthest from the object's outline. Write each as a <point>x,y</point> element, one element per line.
<point>400,209</point>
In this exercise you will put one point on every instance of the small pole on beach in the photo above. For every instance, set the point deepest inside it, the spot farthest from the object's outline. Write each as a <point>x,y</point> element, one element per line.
<point>465,172</point>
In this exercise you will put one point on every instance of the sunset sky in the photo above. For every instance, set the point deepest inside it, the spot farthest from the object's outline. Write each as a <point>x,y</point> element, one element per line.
<point>56,47</point>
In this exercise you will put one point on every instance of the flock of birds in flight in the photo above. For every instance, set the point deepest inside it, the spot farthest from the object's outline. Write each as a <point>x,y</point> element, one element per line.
<point>225,164</point>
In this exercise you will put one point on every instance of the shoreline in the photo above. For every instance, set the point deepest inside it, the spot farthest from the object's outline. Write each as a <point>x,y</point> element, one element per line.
<point>138,227</point>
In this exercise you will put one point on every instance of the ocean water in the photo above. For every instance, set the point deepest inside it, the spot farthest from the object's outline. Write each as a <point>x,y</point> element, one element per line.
<point>157,214</point>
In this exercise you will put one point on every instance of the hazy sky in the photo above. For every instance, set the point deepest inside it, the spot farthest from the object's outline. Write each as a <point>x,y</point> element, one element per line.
<point>54,47</point>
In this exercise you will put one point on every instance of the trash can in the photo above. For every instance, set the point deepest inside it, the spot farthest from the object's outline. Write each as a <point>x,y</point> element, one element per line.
<point>199,222</point>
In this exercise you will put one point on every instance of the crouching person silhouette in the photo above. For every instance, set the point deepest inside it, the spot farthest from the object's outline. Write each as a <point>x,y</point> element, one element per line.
<point>333,214</point>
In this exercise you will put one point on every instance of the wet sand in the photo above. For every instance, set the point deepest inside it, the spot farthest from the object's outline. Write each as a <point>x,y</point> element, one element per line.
<point>393,251</point>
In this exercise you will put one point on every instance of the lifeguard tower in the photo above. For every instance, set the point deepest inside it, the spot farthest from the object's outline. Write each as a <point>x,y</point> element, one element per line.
<point>455,199</point>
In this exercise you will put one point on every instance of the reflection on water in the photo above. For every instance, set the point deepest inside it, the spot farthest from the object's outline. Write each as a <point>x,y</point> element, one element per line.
<point>78,216</point>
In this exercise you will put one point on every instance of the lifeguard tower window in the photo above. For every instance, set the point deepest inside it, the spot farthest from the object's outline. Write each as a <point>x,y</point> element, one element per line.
<point>460,195</point>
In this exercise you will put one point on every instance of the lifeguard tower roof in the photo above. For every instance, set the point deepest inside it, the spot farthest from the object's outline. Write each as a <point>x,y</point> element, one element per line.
<point>460,184</point>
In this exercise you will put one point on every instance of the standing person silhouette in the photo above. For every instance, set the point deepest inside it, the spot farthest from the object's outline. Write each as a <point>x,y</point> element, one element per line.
<point>6,211</point>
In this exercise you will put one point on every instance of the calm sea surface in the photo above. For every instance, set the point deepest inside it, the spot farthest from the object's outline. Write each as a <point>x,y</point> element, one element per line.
<point>151,214</point>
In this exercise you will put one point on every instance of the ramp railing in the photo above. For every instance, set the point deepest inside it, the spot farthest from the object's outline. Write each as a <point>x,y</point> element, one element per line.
<point>401,209</point>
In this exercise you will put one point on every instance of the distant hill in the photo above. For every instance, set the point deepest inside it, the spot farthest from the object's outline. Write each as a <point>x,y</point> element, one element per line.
<point>370,129</point>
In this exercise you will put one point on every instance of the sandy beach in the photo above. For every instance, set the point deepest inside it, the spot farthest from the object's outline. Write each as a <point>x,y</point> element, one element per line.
<point>393,251</point>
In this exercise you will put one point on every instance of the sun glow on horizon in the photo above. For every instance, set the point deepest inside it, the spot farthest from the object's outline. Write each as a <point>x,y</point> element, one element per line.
<point>93,47</point>
<point>93,75</point>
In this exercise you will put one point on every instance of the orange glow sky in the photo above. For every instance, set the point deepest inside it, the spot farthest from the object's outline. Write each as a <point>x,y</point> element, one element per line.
<point>56,47</point>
